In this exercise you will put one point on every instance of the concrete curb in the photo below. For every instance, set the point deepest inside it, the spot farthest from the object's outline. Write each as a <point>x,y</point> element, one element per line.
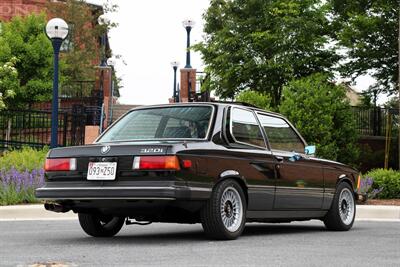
<point>37,212</point>
<point>378,212</point>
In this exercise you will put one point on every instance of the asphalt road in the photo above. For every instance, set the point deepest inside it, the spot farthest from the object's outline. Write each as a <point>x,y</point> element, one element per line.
<point>24,243</point>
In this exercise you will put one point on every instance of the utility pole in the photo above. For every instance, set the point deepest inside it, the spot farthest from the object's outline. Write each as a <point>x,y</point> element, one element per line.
<point>398,87</point>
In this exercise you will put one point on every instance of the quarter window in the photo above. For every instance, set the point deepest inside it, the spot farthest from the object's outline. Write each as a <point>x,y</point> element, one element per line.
<point>245,128</point>
<point>280,135</point>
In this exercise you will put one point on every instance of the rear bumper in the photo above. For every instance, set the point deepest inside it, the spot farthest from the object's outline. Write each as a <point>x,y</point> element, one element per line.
<point>157,190</point>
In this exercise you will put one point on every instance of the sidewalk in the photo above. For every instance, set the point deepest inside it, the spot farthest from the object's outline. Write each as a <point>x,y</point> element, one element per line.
<point>37,212</point>
<point>32,212</point>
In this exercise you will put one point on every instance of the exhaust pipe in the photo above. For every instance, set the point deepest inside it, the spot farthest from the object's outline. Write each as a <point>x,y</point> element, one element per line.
<point>56,207</point>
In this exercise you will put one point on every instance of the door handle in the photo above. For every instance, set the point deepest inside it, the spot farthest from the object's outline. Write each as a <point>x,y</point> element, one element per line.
<point>279,158</point>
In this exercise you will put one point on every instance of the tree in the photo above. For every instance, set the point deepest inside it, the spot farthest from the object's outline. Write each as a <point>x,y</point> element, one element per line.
<point>82,45</point>
<point>368,30</point>
<point>392,103</point>
<point>321,112</point>
<point>261,45</point>
<point>254,98</point>
<point>23,38</point>
<point>8,82</point>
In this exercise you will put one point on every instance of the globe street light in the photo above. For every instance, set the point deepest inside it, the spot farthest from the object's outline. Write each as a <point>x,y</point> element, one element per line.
<point>175,65</point>
<point>188,24</point>
<point>57,31</point>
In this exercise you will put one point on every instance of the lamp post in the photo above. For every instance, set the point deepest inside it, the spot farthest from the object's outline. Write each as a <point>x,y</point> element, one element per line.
<point>103,22</point>
<point>398,88</point>
<point>175,65</point>
<point>188,24</point>
<point>111,62</point>
<point>57,31</point>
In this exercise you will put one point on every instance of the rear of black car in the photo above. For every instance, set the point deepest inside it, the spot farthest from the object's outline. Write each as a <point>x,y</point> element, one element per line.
<point>134,169</point>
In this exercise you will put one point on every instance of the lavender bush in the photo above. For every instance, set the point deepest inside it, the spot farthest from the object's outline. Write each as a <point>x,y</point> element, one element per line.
<point>366,187</point>
<point>18,187</point>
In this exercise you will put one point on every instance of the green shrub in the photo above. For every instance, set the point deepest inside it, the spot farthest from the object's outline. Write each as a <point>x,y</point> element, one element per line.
<point>255,98</point>
<point>23,159</point>
<point>321,112</point>
<point>387,180</point>
<point>21,172</point>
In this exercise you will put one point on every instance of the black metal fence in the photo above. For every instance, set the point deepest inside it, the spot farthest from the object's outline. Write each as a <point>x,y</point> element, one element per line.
<point>374,121</point>
<point>79,89</point>
<point>33,128</point>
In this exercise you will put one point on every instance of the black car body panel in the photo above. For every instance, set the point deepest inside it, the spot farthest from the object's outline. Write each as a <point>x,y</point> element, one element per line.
<point>276,187</point>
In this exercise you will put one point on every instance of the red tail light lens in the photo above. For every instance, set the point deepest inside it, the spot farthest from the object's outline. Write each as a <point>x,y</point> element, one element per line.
<point>60,164</point>
<point>156,163</point>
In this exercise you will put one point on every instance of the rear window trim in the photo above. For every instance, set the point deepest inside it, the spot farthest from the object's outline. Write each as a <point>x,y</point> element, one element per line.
<point>210,124</point>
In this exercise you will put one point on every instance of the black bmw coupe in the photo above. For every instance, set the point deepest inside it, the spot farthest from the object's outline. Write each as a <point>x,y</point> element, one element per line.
<point>218,164</point>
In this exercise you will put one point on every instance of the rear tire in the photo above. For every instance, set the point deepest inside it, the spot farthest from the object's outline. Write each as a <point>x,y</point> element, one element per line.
<point>341,215</point>
<point>223,217</point>
<point>98,225</point>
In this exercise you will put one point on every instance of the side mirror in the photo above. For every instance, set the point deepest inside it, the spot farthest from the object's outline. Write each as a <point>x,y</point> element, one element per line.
<point>295,157</point>
<point>309,150</point>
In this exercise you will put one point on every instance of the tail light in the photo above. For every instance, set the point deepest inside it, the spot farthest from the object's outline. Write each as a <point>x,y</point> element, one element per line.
<point>60,164</point>
<point>156,163</point>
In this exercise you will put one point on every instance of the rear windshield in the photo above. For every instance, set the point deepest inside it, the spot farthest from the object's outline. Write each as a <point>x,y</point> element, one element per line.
<point>186,122</point>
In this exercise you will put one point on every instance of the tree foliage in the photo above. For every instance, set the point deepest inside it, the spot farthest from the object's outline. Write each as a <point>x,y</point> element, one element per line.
<point>369,31</point>
<point>321,112</point>
<point>255,98</point>
<point>82,46</point>
<point>23,38</point>
<point>8,82</point>
<point>261,45</point>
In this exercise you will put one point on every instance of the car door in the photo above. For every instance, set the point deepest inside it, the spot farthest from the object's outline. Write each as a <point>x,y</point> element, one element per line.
<point>250,156</point>
<point>299,180</point>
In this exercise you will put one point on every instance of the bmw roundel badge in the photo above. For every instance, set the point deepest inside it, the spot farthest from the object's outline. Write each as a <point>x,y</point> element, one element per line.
<point>105,149</point>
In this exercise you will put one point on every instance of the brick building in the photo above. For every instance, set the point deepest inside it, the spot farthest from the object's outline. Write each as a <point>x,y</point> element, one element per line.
<point>12,8</point>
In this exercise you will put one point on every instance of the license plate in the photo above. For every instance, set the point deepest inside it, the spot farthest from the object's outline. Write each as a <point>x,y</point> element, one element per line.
<point>102,170</point>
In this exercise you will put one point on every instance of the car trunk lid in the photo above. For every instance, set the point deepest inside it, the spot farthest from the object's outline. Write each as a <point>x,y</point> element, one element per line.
<point>124,154</point>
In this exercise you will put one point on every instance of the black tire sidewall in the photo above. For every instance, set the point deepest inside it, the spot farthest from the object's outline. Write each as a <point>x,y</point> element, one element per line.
<point>90,223</point>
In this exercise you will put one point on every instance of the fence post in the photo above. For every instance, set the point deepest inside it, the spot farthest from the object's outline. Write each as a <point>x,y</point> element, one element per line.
<point>379,122</point>
<point>65,128</point>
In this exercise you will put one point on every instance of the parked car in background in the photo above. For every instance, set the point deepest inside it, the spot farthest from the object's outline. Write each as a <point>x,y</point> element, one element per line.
<point>218,164</point>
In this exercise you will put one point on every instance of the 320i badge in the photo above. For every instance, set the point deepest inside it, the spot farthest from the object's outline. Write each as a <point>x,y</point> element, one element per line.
<point>218,164</point>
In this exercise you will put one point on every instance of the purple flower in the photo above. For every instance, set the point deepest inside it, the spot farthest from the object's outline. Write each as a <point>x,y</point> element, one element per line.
<point>22,181</point>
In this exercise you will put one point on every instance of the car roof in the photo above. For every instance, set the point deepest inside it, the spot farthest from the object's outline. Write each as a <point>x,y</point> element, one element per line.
<point>214,103</point>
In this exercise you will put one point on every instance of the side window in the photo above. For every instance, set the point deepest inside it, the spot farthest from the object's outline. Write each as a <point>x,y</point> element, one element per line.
<point>245,128</point>
<point>280,135</point>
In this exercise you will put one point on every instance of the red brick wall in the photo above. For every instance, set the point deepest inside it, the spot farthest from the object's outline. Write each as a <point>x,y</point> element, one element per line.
<point>184,83</point>
<point>11,8</point>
